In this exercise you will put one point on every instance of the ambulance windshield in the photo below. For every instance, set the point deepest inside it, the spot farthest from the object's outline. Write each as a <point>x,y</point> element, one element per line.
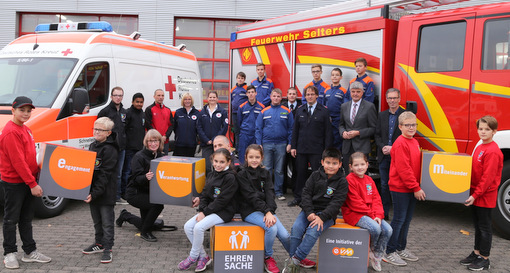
<point>40,79</point>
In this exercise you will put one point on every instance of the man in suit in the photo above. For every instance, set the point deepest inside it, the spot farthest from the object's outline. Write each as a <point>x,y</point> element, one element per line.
<point>386,133</point>
<point>311,134</point>
<point>357,124</point>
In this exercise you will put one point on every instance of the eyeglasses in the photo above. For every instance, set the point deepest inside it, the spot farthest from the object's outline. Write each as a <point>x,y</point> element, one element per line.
<point>118,96</point>
<point>316,71</point>
<point>393,98</point>
<point>153,141</point>
<point>100,130</point>
<point>410,125</point>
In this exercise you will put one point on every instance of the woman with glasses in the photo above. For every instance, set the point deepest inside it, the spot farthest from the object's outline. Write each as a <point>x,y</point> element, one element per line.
<point>137,192</point>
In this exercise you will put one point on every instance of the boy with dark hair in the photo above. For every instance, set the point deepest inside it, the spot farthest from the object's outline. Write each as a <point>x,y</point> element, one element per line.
<point>19,171</point>
<point>323,195</point>
<point>135,132</point>
<point>362,77</point>
<point>485,179</point>
<point>333,100</point>
<point>237,97</point>
<point>246,119</point>
<point>102,190</point>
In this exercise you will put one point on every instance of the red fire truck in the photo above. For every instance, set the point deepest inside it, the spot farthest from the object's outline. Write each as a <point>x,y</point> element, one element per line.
<point>450,63</point>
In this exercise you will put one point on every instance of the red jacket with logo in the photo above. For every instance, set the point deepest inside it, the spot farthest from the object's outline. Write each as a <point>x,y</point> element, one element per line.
<point>18,163</point>
<point>362,199</point>
<point>405,165</point>
<point>159,117</point>
<point>486,174</point>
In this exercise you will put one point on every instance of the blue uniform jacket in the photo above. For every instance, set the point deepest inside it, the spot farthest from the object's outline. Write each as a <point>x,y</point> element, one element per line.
<point>238,96</point>
<point>209,127</point>
<point>368,86</point>
<point>185,127</point>
<point>247,116</point>
<point>264,88</point>
<point>274,125</point>
<point>333,100</point>
<point>323,88</point>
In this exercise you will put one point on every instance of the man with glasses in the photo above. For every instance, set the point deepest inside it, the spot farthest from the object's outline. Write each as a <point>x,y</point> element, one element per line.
<point>317,81</point>
<point>386,133</point>
<point>357,124</point>
<point>117,114</point>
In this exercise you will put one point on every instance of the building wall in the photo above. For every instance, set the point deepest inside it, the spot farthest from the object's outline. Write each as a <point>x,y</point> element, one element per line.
<point>156,17</point>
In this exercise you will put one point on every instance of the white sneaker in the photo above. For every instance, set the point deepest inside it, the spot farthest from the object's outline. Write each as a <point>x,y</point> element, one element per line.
<point>394,259</point>
<point>375,262</point>
<point>281,198</point>
<point>407,255</point>
<point>35,256</point>
<point>11,261</point>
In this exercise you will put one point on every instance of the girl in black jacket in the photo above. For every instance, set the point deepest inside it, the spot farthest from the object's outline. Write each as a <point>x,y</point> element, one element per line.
<point>256,187</point>
<point>216,207</point>
<point>137,192</point>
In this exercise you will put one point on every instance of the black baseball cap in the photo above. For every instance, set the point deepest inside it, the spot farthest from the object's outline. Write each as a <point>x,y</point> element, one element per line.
<point>22,101</point>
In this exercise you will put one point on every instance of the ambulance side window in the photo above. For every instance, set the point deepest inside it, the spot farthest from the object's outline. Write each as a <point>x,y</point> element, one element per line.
<point>495,44</point>
<point>441,47</point>
<point>95,78</point>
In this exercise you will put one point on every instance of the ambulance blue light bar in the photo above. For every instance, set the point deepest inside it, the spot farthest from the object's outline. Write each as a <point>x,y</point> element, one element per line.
<point>89,26</point>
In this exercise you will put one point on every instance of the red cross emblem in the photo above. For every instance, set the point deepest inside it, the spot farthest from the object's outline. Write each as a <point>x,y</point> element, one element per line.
<point>170,87</point>
<point>68,51</point>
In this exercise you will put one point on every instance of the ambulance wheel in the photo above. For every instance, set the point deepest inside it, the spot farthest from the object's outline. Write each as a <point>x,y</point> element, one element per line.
<point>49,206</point>
<point>501,214</point>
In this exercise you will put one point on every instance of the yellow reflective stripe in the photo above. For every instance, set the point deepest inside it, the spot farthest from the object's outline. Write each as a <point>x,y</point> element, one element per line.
<point>263,55</point>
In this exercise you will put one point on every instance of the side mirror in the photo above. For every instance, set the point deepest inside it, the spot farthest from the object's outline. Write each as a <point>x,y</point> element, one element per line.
<point>80,101</point>
<point>412,106</point>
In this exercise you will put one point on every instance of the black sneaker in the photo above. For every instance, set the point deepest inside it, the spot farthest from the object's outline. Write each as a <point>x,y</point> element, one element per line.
<point>479,264</point>
<point>121,220</point>
<point>148,237</point>
<point>107,256</point>
<point>94,248</point>
<point>293,203</point>
<point>469,259</point>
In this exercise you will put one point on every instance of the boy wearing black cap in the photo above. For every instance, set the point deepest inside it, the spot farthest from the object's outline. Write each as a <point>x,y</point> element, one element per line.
<point>18,171</point>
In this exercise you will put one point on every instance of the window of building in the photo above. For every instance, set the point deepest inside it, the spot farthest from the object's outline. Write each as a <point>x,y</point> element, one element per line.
<point>209,40</point>
<point>495,44</point>
<point>123,24</point>
<point>441,47</point>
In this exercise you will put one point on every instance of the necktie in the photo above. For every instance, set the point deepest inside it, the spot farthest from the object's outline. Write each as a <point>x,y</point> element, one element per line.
<point>309,111</point>
<point>353,112</point>
<point>291,107</point>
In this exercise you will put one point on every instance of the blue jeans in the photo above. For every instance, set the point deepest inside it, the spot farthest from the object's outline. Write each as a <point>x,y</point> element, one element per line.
<point>384,171</point>
<point>277,230</point>
<point>195,232</point>
<point>403,209</point>
<point>274,159</point>
<point>18,210</point>
<point>126,170</point>
<point>379,234</point>
<point>120,165</point>
<point>103,217</point>
<point>303,237</point>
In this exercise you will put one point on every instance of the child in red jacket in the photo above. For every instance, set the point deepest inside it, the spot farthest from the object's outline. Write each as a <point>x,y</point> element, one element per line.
<point>405,188</point>
<point>485,179</point>
<point>363,208</point>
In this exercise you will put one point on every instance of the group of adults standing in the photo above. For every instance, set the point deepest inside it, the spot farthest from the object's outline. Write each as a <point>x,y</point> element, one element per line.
<point>327,116</point>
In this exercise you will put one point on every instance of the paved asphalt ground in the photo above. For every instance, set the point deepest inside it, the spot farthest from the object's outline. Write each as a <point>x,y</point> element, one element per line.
<point>434,236</point>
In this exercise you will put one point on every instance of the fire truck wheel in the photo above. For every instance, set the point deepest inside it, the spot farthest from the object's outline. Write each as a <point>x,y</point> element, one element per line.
<point>501,214</point>
<point>49,206</point>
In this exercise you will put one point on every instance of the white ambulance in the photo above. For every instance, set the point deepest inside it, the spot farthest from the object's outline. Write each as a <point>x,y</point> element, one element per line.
<point>69,69</point>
